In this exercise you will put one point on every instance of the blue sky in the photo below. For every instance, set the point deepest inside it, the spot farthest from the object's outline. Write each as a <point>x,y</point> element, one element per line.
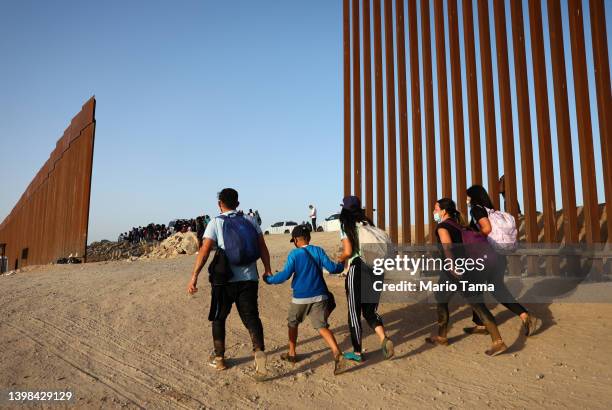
<point>192,96</point>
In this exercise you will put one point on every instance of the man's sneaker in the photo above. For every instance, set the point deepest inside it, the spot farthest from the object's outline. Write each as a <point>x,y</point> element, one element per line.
<point>260,366</point>
<point>340,364</point>
<point>217,362</point>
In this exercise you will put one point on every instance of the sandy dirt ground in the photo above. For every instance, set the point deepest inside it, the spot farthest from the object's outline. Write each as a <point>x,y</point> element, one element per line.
<point>126,334</point>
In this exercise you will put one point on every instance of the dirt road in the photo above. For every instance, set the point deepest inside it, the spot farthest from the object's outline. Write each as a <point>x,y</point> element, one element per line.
<point>126,334</point>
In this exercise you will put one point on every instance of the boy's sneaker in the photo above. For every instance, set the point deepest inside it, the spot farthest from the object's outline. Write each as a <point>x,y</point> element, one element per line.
<point>260,366</point>
<point>217,362</point>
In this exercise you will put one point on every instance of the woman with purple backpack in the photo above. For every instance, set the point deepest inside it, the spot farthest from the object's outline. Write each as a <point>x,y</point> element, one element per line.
<point>449,233</point>
<point>480,208</point>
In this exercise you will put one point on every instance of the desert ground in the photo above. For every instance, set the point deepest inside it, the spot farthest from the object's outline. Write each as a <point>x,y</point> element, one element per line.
<point>126,334</point>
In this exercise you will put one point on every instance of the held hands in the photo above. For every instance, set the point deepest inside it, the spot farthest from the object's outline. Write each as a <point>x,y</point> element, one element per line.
<point>266,275</point>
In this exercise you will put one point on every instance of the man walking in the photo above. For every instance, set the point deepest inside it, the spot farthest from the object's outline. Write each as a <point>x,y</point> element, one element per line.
<point>313,217</point>
<point>242,286</point>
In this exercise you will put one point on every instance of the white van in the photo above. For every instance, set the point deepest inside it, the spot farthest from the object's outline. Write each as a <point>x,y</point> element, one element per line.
<point>280,227</point>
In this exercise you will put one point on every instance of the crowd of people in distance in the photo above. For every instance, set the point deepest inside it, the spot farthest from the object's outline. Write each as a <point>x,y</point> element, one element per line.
<point>156,232</point>
<point>255,215</point>
<point>151,232</point>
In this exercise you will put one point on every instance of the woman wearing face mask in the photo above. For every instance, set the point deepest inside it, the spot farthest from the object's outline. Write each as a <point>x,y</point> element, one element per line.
<point>479,201</point>
<point>448,232</point>
<point>351,216</point>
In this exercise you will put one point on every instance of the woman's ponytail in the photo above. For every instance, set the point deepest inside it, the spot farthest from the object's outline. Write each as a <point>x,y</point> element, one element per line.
<point>449,206</point>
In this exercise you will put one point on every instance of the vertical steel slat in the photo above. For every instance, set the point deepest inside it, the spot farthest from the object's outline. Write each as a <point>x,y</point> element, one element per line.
<point>403,121</point>
<point>503,76</point>
<point>547,179</point>
<point>456,86</point>
<point>367,110</point>
<point>568,192</point>
<point>356,101</point>
<point>380,125</point>
<point>488,102</point>
<point>391,143</point>
<point>445,158</point>
<point>430,142</point>
<point>583,115</point>
<point>346,30</point>
<point>604,98</point>
<point>472,91</point>
<point>417,146</point>
<point>524,119</point>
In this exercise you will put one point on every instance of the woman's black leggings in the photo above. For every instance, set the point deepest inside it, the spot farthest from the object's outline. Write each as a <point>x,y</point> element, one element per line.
<point>501,293</point>
<point>479,309</point>
<point>355,282</point>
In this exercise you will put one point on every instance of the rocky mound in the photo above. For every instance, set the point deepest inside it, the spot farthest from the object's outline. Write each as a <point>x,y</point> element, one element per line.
<point>177,244</point>
<point>110,251</point>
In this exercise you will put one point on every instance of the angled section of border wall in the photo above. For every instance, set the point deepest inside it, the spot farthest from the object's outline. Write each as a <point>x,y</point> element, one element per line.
<point>50,220</point>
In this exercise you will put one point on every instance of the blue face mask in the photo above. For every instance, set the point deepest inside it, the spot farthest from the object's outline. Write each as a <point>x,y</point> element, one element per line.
<point>437,217</point>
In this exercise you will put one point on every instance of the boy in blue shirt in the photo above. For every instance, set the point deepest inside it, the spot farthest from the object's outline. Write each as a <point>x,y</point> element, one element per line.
<point>310,294</point>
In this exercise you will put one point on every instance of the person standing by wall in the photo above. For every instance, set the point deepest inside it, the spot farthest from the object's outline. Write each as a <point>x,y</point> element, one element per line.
<point>313,217</point>
<point>502,191</point>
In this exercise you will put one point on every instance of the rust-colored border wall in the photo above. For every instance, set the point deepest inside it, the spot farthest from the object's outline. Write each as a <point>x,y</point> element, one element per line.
<point>51,217</point>
<point>438,17</point>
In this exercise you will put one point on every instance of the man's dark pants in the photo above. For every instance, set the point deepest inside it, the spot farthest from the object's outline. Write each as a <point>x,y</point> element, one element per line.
<point>244,295</point>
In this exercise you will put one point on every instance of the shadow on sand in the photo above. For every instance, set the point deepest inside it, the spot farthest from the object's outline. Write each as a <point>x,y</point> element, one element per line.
<point>411,323</point>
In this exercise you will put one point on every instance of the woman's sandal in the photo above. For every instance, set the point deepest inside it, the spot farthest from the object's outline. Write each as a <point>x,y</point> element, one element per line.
<point>497,348</point>
<point>531,325</point>
<point>437,340</point>
<point>261,373</point>
<point>288,358</point>
<point>387,348</point>
<point>476,330</point>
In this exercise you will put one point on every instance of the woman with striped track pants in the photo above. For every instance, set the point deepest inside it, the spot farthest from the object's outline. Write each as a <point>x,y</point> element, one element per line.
<point>357,279</point>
